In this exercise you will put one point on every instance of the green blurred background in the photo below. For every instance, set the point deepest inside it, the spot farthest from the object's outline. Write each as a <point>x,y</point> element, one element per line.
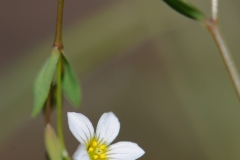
<point>158,71</point>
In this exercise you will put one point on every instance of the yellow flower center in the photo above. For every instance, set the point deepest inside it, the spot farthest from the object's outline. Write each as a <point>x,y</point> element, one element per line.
<point>96,151</point>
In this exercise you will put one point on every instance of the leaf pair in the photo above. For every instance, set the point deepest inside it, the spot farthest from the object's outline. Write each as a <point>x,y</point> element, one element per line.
<point>45,78</point>
<point>186,9</point>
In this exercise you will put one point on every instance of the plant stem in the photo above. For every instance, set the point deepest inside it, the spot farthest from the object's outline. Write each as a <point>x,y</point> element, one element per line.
<point>211,25</point>
<point>214,9</point>
<point>213,28</point>
<point>58,35</point>
<point>59,46</point>
<point>60,107</point>
<point>59,103</point>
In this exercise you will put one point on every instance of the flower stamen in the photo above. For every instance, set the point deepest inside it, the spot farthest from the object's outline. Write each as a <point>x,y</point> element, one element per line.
<point>102,156</point>
<point>90,149</point>
<point>102,147</point>
<point>95,143</point>
<point>97,151</point>
<point>95,156</point>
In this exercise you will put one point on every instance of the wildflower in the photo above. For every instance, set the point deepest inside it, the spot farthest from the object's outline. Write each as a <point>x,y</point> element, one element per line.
<point>96,146</point>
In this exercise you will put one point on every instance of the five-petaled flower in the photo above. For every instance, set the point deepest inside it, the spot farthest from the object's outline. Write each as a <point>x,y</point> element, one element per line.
<point>96,146</point>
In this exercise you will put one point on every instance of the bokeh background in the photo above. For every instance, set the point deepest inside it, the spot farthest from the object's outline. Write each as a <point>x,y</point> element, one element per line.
<point>158,71</point>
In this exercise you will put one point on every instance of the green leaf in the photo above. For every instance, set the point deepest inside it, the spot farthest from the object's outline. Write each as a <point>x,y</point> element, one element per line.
<point>43,83</point>
<point>52,144</point>
<point>186,9</point>
<point>71,85</point>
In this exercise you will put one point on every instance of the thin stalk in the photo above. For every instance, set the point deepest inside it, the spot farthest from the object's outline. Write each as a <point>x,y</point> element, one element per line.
<point>59,103</point>
<point>211,25</point>
<point>214,9</point>
<point>59,46</point>
<point>58,35</point>
<point>60,108</point>
<point>213,29</point>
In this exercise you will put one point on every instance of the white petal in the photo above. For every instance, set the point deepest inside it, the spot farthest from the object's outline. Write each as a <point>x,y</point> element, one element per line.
<point>124,151</point>
<point>108,128</point>
<point>81,153</point>
<point>80,127</point>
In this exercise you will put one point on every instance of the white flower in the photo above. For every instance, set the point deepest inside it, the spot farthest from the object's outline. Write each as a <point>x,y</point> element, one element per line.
<point>97,146</point>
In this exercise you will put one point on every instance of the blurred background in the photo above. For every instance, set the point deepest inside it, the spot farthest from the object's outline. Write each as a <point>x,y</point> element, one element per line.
<point>158,71</point>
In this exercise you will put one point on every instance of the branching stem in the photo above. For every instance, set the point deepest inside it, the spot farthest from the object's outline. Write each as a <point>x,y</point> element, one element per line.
<point>213,28</point>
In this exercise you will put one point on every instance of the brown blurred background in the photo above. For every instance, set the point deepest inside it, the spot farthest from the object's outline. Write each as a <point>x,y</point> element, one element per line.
<point>158,71</point>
